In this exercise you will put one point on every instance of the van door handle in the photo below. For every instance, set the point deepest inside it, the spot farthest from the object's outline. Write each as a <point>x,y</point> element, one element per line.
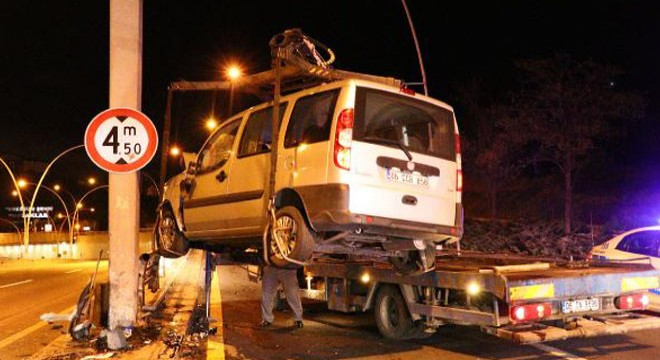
<point>222,176</point>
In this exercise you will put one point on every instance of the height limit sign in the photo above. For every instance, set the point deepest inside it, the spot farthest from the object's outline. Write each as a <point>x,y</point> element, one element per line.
<point>121,140</point>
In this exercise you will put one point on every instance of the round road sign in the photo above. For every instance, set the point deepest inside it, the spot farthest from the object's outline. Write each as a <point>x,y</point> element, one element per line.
<point>121,140</point>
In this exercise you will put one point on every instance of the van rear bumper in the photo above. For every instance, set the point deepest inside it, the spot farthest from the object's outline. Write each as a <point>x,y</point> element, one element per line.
<point>327,210</point>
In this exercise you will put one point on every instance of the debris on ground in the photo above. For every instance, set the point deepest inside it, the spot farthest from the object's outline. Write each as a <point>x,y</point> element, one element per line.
<point>107,355</point>
<point>53,317</point>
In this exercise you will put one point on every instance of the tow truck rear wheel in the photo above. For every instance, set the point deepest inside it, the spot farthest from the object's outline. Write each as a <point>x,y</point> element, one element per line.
<point>296,239</point>
<point>414,262</point>
<point>392,316</point>
<point>170,243</point>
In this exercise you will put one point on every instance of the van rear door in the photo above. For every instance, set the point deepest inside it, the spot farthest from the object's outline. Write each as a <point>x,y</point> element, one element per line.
<point>403,159</point>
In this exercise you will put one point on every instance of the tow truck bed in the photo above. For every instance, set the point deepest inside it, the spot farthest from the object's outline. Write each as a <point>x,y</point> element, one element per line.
<point>558,299</point>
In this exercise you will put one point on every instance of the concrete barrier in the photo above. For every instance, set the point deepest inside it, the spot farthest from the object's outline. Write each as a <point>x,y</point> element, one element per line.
<point>53,245</point>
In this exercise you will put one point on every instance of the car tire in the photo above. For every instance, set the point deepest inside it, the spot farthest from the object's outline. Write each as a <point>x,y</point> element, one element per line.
<point>414,262</point>
<point>418,331</point>
<point>391,314</point>
<point>170,243</point>
<point>297,237</point>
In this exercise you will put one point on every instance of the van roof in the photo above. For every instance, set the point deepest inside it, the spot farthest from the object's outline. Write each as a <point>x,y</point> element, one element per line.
<point>341,83</point>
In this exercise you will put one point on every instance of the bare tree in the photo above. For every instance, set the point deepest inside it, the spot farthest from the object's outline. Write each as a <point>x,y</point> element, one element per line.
<point>490,155</point>
<point>564,108</point>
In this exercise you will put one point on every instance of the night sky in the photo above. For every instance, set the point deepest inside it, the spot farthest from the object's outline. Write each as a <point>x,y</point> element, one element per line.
<point>54,73</point>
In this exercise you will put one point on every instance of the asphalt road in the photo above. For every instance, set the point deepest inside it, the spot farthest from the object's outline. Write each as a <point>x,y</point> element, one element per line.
<point>333,335</point>
<point>29,289</point>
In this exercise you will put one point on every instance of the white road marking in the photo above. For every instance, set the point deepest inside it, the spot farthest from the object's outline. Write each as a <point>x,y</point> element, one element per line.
<point>21,334</point>
<point>16,283</point>
<point>556,352</point>
<point>72,271</point>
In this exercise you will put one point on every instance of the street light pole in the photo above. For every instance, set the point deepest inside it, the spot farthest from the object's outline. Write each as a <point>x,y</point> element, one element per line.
<point>20,198</point>
<point>66,209</point>
<point>76,212</point>
<point>15,227</point>
<point>26,236</point>
<point>419,53</point>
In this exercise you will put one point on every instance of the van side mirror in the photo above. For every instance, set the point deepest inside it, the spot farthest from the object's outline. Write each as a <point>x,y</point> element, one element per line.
<point>188,162</point>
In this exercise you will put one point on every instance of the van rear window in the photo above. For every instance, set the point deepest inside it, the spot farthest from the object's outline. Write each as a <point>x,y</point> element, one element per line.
<point>419,126</point>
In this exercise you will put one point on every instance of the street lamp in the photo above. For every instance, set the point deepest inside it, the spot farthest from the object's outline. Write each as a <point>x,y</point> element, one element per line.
<point>91,181</point>
<point>211,123</point>
<point>175,151</point>
<point>59,188</point>
<point>233,73</point>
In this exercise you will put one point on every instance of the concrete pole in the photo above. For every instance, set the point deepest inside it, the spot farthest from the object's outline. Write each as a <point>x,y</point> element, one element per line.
<point>124,197</point>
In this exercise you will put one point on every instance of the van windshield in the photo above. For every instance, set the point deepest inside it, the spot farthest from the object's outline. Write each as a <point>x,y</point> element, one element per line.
<point>416,125</point>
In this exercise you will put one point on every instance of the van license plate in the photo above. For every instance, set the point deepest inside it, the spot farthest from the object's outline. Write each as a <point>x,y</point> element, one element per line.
<point>580,305</point>
<point>399,176</point>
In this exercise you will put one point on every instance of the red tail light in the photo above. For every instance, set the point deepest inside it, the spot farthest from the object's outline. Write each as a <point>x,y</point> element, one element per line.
<point>407,91</point>
<point>344,139</point>
<point>529,312</point>
<point>632,301</point>
<point>459,180</point>
<point>459,172</point>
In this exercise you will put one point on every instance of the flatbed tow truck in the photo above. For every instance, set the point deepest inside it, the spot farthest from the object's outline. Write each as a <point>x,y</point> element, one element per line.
<point>516,298</point>
<point>513,297</point>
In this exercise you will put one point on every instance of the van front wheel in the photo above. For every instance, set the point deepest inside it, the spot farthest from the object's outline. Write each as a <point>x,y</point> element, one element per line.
<point>170,243</point>
<point>296,239</point>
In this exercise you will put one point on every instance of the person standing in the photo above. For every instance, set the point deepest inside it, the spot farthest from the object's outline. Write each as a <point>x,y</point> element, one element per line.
<point>271,278</point>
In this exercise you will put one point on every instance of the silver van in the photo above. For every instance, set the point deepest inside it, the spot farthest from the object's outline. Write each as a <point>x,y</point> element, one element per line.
<point>363,170</point>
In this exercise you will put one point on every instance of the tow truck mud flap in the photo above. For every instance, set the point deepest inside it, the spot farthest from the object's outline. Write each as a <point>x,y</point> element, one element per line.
<point>596,326</point>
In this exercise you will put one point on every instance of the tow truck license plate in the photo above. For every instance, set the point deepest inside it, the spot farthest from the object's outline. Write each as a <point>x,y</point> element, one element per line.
<point>580,305</point>
<point>399,176</point>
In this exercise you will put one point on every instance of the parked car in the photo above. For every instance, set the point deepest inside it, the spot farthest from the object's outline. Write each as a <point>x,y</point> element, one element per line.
<point>636,245</point>
<point>362,169</point>
<point>641,245</point>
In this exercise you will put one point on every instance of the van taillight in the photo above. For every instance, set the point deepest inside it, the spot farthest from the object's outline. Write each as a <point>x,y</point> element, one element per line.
<point>459,180</point>
<point>344,139</point>
<point>459,172</point>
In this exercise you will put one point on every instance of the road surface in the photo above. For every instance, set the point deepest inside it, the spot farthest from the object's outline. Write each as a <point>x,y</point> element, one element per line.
<point>333,335</point>
<point>30,288</point>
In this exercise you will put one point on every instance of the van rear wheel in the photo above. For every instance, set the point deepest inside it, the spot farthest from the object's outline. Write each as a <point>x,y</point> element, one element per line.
<point>296,239</point>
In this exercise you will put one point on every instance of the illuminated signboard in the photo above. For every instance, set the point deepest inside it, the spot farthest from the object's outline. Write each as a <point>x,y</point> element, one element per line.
<point>38,212</point>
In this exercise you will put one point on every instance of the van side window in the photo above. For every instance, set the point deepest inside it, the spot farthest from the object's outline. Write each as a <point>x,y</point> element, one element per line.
<point>217,150</point>
<point>311,119</point>
<point>257,137</point>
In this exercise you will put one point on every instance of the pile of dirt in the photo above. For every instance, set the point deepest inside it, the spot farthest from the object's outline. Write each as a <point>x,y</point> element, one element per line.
<point>543,239</point>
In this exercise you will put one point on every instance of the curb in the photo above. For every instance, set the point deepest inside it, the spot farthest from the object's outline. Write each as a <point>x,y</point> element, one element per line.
<point>153,340</point>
